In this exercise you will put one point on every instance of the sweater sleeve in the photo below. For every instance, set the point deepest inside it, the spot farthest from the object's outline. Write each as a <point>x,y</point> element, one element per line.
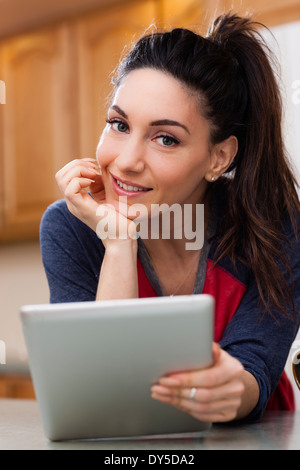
<point>72,255</point>
<point>262,342</point>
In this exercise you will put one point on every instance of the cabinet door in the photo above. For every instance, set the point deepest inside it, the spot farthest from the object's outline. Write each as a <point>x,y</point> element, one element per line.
<point>12,386</point>
<point>101,39</point>
<point>36,126</point>
<point>188,14</point>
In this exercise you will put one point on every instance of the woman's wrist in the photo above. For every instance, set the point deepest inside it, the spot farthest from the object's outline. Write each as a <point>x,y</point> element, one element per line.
<point>121,248</point>
<point>119,263</point>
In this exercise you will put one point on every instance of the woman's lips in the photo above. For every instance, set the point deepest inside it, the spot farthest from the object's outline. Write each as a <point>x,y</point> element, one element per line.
<point>127,188</point>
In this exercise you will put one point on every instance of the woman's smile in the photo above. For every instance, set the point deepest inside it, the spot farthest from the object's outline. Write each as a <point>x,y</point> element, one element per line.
<point>127,188</point>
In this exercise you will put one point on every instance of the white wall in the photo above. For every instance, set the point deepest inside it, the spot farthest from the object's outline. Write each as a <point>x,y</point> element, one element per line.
<point>286,48</point>
<point>288,37</point>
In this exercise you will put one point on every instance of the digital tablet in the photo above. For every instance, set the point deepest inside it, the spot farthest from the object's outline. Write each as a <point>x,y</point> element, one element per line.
<point>93,363</point>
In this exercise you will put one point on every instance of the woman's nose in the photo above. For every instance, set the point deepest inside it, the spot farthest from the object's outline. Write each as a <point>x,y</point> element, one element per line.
<point>131,157</point>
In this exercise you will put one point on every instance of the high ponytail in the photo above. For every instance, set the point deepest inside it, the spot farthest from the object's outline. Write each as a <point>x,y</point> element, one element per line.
<point>231,71</point>
<point>264,187</point>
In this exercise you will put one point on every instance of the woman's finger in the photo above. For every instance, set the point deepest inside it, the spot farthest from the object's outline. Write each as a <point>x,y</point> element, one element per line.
<point>222,371</point>
<point>97,187</point>
<point>222,416</point>
<point>81,170</point>
<point>76,173</point>
<point>77,161</point>
<point>230,404</point>
<point>76,185</point>
<point>203,395</point>
<point>75,166</point>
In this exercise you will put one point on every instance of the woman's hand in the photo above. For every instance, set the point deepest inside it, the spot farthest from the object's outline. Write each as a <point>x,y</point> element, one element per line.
<point>74,180</point>
<point>81,183</point>
<point>214,394</point>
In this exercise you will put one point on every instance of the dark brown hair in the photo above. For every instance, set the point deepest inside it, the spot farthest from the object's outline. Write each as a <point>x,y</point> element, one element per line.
<point>232,71</point>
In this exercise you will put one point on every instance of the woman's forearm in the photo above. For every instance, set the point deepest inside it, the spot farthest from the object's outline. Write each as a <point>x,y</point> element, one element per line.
<point>250,396</point>
<point>118,276</point>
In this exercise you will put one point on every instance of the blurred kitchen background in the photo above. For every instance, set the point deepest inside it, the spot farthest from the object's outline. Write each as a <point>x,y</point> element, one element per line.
<point>56,59</point>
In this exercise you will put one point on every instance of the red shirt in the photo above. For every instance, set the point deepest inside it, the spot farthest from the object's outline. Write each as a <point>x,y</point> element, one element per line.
<point>228,292</point>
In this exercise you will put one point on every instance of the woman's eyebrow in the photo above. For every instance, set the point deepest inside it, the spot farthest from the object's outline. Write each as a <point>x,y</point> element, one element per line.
<point>119,111</point>
<point>160,122</point>
<point>169,122</point>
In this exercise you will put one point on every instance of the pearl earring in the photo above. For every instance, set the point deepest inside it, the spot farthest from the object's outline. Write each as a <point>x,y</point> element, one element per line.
<point>213,178</point>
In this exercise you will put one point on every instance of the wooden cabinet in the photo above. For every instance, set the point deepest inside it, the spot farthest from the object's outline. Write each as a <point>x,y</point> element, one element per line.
<point>101,39</point>
<point>36,126</point>
<point>57,81</point>
<point>16,386</point>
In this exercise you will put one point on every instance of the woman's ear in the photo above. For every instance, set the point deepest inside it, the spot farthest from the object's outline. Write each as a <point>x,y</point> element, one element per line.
<point>222,156</point>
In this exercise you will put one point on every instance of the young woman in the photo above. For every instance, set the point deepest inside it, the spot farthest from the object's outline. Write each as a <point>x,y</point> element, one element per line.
<point>194,120</point>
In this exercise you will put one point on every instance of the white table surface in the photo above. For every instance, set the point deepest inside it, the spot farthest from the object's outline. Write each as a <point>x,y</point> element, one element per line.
<point>21,429</point>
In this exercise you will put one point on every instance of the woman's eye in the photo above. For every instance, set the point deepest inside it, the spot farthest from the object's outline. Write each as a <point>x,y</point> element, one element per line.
<point>117,125</point>
<point>167,140</point>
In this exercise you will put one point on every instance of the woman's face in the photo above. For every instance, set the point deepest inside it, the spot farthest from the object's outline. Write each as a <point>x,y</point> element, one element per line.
<point>155,146</point>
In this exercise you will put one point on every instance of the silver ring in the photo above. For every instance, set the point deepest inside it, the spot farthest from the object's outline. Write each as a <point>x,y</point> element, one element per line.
<point>192,393</point>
